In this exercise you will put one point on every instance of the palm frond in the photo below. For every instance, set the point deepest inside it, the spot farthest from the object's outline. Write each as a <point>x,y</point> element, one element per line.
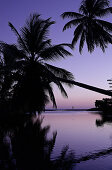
<point>52,78</point>
<point>18,35</point>
<point>42,46</point>
<point>103,33</point>
<point>51,94</point>
<point>54,52</point>
<point>45,29</point>
<point>30,32</point>
<point>82,40</point>
<point>35,33</point>
<point>101,4</point>
<point>59,72</point>
<point>71,15</point>
<point>103,12</point>
<point>90,44</point>
<point>105,24</point>
<point>67,45</point>
<point>73,22</point>
<point>102,45</point>
<point>83,9</point>
<point>99,37</point>
<point>77,34</point>
<point>60,86</point>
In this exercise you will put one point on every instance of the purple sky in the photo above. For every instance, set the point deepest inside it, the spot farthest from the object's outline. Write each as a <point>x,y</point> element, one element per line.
<point>93,69</point>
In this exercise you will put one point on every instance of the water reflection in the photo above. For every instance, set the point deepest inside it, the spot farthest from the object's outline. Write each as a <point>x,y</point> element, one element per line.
<point>105,118</point>
<point>25,146</point>
<point>30,144</point>
<point>92,145</point>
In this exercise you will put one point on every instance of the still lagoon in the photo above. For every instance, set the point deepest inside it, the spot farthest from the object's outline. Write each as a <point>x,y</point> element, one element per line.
<point>86,133</point>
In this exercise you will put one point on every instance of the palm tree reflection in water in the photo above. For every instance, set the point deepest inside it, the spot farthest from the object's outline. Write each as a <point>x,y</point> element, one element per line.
<point>27,148</point>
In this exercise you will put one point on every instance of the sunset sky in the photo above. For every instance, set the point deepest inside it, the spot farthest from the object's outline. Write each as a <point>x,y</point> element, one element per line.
<point>93,69</point>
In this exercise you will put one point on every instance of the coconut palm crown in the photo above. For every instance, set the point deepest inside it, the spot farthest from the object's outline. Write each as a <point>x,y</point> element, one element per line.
<point>33,75</point>
<point>89,27</point>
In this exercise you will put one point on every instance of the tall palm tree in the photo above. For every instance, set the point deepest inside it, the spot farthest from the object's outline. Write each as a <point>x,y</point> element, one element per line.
<point>89,27</point>
<point>33,76</point>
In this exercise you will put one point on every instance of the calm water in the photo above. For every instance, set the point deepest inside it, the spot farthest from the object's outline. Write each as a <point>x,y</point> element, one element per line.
<point>84,137</point>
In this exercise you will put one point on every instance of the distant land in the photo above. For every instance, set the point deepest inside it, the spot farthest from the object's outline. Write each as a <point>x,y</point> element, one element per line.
<point>91,109</point>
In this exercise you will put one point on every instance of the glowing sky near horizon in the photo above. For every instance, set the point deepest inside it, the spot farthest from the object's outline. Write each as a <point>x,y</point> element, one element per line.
<point>93,69</point>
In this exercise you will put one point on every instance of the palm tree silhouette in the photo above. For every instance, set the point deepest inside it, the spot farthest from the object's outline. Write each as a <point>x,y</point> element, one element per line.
<point>29,77</point>
<point>89,27</point>
<point>33,76</point>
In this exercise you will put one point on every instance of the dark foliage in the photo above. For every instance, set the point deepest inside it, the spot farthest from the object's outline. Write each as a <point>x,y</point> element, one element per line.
<point>89,27</point>
<point>25,77</point>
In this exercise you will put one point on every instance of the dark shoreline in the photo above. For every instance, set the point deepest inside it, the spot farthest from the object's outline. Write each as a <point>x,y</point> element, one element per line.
<point>91,109</point>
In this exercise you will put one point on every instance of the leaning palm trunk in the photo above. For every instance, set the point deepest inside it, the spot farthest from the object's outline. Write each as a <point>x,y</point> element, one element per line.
<point>92,88</point>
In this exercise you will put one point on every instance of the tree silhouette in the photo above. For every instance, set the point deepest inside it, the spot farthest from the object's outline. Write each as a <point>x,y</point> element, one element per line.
<point>34,77</point>
<point>89,27</point>
<point>9,65</point>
